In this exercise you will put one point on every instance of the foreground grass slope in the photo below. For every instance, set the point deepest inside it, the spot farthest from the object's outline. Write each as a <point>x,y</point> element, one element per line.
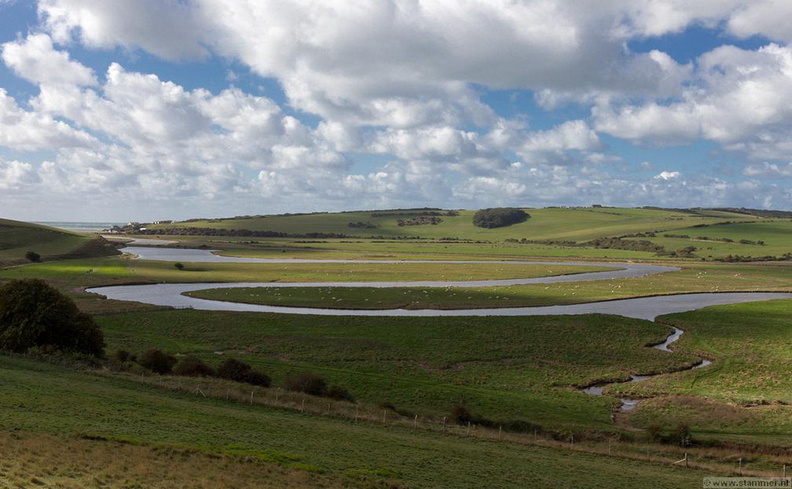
<point>42,398</point>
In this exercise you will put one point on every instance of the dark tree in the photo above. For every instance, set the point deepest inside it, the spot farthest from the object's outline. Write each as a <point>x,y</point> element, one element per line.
<point>179,265</point>
<point>33,314</point>
<point>499,217</point>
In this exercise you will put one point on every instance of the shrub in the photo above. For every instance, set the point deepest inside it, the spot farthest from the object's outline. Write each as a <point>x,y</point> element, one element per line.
<point>34,314</point>
<point>339,393</point>
<point>499,217</point>
<point>233,369</point>
<point>121,356</point>
<point>179,265</point>
<point>33,256</point>
<point>460,414</point>
<point>239,371</point>
<point>254,377</point>
<point>157,361</point>
<point>307,382</point>
<point>191,366</point>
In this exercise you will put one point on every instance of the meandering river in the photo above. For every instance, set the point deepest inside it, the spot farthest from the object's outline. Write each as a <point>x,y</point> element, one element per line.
<point>641,308</point>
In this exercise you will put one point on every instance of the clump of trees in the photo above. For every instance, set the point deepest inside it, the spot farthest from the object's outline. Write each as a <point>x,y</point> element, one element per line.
<point>34,314</point>
<point>625,244</point>
<point>420,221</point>
<point>361,224</point>
<point>499,217</point>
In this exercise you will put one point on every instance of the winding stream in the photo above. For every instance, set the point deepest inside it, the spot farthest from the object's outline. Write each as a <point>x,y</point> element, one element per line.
<point>641,308</point>
<point>628,404</point>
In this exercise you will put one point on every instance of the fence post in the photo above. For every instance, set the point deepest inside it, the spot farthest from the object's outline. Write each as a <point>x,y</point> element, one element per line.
<point>500,433</point>
<point>415,423</point>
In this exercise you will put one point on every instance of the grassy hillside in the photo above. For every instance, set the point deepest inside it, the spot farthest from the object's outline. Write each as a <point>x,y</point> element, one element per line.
<point>576,224</point>
<point>66,404</point>
<point>17,238</point>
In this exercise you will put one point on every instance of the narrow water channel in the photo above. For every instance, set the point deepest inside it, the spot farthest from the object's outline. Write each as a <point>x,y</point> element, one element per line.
<point>628,404</point>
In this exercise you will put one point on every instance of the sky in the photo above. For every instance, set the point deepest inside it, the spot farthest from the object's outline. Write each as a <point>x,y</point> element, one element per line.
<point>172,109</point>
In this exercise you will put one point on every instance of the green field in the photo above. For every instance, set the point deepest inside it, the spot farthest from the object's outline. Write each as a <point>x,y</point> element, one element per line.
<point>18,238</point>
<point>695,277</point>
<point>406,374</point>
<point>575,224</point>
<point>746,392</point>
<point>548,233</point>
<point>50,399</point>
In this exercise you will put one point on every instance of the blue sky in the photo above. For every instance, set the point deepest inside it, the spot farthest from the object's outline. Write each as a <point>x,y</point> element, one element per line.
<point>166,109</point>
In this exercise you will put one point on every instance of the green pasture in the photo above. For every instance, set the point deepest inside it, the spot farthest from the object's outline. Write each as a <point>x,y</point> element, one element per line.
<point>696,277</point>
<point>710,241</point>
<point>576,224</point>
<point>411,250</point>
<point>502,368</point>
<point>751,348</point>
<point>39,397</point>
<point>93,271</point>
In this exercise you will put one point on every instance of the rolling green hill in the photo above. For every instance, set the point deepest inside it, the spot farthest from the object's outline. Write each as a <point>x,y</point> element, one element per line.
<point>17,238</point>
<point>574,224</point>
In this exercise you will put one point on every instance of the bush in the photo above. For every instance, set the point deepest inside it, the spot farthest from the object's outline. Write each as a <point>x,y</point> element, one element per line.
<point>157,361</point>
<point>309,383</point>
<point>254,377</point>
<point>33,256</point>
<point>121,356</point>
<point>191,366</point>
<point>34,314</point>
<point>233,369</point>
<point>499,217</point>
<point>338,393</point>
<point>460,414</point>
<point>179,265</point>
<point>239,371</point>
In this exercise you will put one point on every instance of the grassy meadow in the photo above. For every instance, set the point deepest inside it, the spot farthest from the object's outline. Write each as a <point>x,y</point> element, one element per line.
<point>518,372</point>
<point>46,402</point>
<point>746,393</point>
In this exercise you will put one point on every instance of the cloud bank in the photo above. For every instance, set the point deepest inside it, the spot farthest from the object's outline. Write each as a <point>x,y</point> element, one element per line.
<point>397,102</point>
